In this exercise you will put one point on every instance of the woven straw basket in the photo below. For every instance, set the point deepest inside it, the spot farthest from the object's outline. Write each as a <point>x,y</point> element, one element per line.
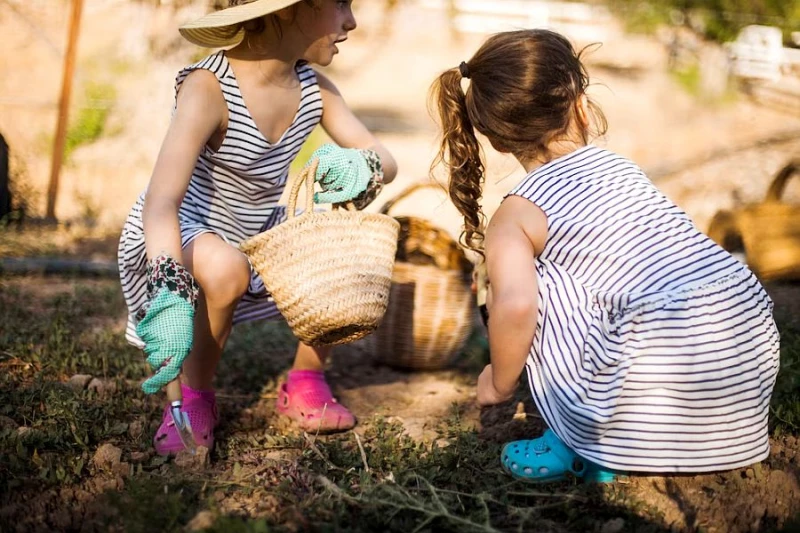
<point>329,272</point>
<point>768,232</point>
<point>430,312</point>
<point>771,231</point>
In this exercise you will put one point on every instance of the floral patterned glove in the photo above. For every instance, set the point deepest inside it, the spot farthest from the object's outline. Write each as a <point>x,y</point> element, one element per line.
<point>166,321</point>
<point>347,175</point>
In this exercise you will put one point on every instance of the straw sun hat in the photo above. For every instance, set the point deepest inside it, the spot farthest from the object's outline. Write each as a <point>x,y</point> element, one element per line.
<point>223,28</point>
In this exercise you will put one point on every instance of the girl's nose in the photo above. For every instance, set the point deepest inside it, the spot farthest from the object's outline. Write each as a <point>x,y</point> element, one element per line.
<point>350,22</point>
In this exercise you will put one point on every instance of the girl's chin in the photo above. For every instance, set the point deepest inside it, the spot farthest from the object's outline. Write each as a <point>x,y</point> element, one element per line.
<point>322,61</point>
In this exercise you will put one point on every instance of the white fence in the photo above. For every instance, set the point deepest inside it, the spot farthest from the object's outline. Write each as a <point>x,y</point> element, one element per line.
<point>758,53</point>
<point>574,19</point>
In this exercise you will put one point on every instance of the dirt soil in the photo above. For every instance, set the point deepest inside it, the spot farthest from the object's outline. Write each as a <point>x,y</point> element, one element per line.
<point>764,497</point>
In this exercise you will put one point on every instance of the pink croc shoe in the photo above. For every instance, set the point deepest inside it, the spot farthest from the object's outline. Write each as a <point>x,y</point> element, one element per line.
<point>306,398</point>
<point>201,407</point>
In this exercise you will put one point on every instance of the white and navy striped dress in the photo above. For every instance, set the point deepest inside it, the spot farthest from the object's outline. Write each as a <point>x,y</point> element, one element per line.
<point>655,350</point>
<point>233,193</point>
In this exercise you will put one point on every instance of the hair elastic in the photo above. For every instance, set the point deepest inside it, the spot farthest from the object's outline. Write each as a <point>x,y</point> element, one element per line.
<point>463,68</point>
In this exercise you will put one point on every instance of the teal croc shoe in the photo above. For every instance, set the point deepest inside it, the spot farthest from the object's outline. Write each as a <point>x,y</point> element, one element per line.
<point>548,459</point>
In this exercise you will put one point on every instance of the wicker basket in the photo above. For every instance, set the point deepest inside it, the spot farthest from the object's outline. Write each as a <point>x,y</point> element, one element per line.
<point>771,231</point>
<point>329,272</point>
<point>767,232</point>
<point>431,309</point>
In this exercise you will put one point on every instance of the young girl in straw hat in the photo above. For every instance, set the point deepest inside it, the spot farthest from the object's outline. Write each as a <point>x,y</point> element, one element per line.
<point>647,346</point>
<point>240,118</point>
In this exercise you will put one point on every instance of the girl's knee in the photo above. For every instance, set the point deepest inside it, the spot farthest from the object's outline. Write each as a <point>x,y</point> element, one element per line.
<point>223,275</point>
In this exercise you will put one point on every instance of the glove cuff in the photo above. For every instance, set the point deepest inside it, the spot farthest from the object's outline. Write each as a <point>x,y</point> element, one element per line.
<point>375,184</point>
<point>165,274</point>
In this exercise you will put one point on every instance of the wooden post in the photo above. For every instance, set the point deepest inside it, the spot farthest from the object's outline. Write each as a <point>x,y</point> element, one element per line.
<point>63,107</point>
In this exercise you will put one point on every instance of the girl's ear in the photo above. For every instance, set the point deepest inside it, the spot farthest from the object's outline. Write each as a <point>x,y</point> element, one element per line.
<point>582,109</point>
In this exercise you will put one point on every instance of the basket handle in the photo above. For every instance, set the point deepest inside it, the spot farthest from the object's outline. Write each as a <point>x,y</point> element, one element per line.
<point>408,191</point>
<point>776,188</point>
<point>306,177</point>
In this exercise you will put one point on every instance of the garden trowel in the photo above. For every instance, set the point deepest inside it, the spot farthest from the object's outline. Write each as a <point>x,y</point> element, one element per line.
<point>179,418</point>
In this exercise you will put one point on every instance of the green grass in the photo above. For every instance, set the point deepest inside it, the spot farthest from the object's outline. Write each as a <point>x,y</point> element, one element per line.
<point>785,407</point>
<point>261,479</point>
<point>41,344</point>
<point>641,17</point>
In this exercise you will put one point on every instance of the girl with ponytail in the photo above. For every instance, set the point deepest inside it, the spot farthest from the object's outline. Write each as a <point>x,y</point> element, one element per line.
<point>647,347</point>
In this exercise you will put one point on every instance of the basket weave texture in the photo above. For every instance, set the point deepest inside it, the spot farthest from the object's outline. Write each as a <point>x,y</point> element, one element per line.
<point>771,231</point>
<point>329,272</point>
<point>767,231</point>
<point>431,311</point>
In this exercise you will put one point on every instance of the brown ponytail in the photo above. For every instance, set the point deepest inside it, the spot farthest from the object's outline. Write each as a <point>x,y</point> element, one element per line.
<point>524,87</point>
<point>460,152</point>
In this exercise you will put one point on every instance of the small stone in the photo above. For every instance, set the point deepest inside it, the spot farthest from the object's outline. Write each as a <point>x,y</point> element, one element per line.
<point>139,457</point>
<point>791,441</point>
<point>776,450</point>
<point>79,382</point>
<point>441,443</point>
<point>107,456</point>
<point>218,495</point>
<point>25,432</point>
<point>97,386</point>
<point>202,520</point>
<point>198,461</point>
<point>758,471</point>
<point>749,473</point>
<point>615,525</point>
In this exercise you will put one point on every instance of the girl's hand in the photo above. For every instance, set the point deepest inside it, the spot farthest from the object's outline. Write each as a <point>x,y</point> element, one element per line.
<point>343,173</point>
<point>166,323</point>
<point>487,393</point>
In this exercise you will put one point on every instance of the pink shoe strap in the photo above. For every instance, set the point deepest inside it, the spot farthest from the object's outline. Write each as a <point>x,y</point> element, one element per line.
<point>310,385</point>
<point>193,394</point>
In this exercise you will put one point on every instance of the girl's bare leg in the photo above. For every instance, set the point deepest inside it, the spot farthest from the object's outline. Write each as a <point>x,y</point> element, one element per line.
<point>223,274</point>
<point>310,358</point>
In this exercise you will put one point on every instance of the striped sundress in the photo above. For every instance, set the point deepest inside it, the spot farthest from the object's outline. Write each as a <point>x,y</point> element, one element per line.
<point>233,192</point>
<point>655,350</point>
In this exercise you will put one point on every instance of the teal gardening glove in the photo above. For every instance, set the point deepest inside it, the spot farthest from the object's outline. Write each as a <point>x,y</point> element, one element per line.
<point>166,322</point>
<point>347,174</point>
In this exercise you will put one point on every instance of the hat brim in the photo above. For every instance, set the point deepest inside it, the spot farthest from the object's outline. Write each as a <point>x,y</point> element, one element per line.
<point>221,28</point>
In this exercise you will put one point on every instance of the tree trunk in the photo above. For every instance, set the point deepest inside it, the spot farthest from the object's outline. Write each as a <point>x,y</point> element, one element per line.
<point>5,192</point>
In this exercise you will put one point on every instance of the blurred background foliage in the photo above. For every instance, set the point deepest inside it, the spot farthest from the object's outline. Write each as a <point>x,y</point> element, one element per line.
<point>719,20</point>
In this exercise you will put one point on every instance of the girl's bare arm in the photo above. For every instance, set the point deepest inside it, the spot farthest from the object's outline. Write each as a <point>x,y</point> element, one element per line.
<point>201,112</point>
<point>346,130</point>
<point>512,237</point>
